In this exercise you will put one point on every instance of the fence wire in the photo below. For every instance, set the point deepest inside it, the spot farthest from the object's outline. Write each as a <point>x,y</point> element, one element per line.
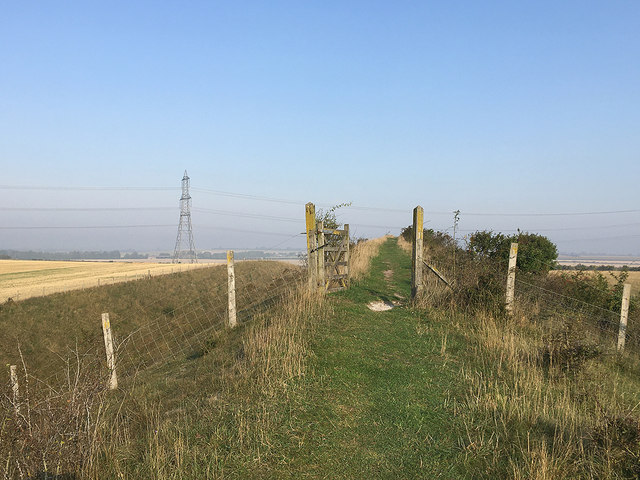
<point>573,319</point>
<point>156,328</point>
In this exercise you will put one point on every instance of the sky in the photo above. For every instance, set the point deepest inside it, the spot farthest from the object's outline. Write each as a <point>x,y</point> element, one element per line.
<point>522,115</point>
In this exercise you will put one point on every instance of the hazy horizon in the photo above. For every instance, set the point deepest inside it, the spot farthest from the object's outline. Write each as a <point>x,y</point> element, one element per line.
<point>520,115</point>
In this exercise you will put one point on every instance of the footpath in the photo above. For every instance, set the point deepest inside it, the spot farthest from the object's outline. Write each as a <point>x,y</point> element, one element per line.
<point>379,398</point>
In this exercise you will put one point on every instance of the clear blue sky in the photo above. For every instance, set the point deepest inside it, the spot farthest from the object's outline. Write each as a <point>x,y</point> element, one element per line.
<point>486,107</point>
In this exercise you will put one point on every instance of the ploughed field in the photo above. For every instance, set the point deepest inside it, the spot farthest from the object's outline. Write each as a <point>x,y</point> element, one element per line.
<point>20,279</point>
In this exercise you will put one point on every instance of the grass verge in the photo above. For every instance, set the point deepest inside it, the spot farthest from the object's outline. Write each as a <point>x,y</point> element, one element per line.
<point>327,388</point>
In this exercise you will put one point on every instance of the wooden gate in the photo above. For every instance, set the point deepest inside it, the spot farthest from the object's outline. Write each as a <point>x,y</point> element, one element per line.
<point>328,255</point>
<point>333,258</point>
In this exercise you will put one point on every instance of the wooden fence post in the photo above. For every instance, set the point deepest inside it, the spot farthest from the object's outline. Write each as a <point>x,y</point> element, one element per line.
<point>511,278</point>
<point>108,346</point>
<point>231,282</point>
<point>312,246</point>
<point>417,254</point>
<point>321,270</point>
<point>13,373</point>
<point>624,313</point>
<point>346,251</point>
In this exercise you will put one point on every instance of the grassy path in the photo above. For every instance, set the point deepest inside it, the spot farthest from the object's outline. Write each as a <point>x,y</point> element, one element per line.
<point>377,404</point>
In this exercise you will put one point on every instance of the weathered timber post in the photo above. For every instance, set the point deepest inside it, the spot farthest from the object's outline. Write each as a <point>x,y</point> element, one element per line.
<point>108,346</point>
<point>231,282</point>
<point>15,389</point>
<point>417,254</point>
<point>511,277</point>
<point>321,270</point>
<point>312,246</point>
<point>346,253</point>
<point>624,313</point>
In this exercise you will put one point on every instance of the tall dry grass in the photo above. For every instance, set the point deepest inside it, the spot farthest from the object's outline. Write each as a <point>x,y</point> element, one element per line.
<point>547,396</point>
<point>404,244</point>
<point>48,431</point>
<point>362,254</point>
<point>238,397</point>
<point>235,400</point>
<point>189,418</point>
<point>530,417</point>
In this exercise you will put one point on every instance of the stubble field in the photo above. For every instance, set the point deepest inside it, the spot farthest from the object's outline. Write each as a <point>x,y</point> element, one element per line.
<point>20,279</point>
<point>633,279</point>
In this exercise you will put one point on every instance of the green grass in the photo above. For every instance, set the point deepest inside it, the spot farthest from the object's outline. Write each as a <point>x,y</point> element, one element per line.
<point>374,398</point>
<point>331,389</point>
<point>48,329</point>
<point>377,402</point>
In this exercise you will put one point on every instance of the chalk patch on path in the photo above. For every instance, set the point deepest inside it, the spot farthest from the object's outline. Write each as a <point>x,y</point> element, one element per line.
<point>380,306</point>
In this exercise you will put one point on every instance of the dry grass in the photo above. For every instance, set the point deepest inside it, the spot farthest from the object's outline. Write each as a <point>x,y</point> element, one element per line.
<point>21,279</point>
<point>211,425</point>
<point>404,244</point>
<point>49,431</point>
<point>362,254</point>
<point>526,420</point>
<point>178,417</point>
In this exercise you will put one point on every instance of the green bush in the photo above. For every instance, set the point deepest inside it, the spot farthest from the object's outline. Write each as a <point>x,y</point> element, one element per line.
<point>431,238</point>
<point>536,253</point>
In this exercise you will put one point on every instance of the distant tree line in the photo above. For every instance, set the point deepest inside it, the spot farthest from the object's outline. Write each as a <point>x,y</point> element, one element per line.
<point>135,256</point>
<point>600,268</point>
<point>248,255</point>
<point>74,255</point>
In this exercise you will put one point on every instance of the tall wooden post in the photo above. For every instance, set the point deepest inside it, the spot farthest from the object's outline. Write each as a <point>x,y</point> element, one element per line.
<point>312,246</point>
<point>321,270</point>
<point>511,278</point>
<point>417,254</point>
<point>624,313</point>
<point>346,252</point>
<point>108,346</point>
<point>15,389</point>
<point>231,283</point>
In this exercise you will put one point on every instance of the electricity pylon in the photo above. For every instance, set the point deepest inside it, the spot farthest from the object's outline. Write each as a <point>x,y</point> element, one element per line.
<point>185,228</point>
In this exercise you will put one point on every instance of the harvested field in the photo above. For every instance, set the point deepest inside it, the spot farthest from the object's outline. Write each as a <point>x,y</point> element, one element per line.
<point>634,278</point>
<point>613,260</point>
<point>20,279</point>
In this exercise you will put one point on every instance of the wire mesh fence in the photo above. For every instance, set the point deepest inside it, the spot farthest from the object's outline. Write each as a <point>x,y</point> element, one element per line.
<point>566,319</point>
<point>185,331</point>
<point>575,307</point>
<point>155,321</point>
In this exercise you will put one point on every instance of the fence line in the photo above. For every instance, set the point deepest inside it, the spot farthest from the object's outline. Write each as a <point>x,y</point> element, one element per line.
<point>176,332</point>
<point>183,331</point>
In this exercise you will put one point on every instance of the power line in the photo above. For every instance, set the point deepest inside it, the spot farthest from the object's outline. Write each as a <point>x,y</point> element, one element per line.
<point>65,227</point>
<point>248,215</point>
<point>247,196</point>
<point>86,227</point>
<point>239,230</point>
<point>591,227</point>
<point>300,202</point>
<point>87,209</point>
<point>549,214</point>
<point>84,188</point>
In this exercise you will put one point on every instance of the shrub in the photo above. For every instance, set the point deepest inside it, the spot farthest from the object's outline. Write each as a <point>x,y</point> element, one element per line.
<point>536,253</point>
